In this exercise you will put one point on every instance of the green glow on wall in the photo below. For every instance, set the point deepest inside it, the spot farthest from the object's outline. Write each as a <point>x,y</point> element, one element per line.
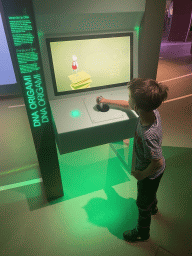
<point>27,56</point>
<point>136,28</point>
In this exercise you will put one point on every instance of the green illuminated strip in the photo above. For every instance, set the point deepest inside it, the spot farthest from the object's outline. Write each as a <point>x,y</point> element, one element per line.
<point>20,184</point>
<point>24,168</point>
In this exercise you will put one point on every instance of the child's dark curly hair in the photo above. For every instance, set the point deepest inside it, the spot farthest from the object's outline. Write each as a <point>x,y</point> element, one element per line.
<point>148,94</point>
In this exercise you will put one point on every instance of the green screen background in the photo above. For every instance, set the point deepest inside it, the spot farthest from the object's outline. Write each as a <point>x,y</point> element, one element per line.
<point>106,60</point>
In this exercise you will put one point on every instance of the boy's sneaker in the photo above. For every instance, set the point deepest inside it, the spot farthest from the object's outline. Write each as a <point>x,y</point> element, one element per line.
<point>154,211</point>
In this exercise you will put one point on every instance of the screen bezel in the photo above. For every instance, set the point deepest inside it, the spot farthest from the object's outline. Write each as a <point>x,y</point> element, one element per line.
<point>70,38</point>
<point>12,90</point>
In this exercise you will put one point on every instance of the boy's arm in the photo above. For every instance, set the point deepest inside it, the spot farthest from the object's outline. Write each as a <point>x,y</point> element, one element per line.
<point>120,103</point>
<point>152,168</point>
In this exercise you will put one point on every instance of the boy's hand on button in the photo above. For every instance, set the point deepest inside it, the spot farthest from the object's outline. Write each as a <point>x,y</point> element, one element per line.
<point>101,101</point>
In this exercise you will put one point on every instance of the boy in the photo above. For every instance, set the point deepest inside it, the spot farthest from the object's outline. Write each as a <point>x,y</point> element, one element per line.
<point>145,96</point>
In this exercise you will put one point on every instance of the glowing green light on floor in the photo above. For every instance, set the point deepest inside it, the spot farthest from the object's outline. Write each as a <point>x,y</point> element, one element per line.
<point>75,113</point>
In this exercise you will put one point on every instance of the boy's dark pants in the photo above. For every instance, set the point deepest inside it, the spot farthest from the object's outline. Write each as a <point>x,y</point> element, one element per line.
<point>146,200</point>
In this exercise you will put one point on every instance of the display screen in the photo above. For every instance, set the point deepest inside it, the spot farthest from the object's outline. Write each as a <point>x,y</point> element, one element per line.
<point>7,75</point>
<point>92,62</point>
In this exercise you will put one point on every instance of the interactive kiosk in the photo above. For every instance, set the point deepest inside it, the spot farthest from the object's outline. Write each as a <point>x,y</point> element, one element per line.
<point>99,64</point>
<point>60,87</point>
